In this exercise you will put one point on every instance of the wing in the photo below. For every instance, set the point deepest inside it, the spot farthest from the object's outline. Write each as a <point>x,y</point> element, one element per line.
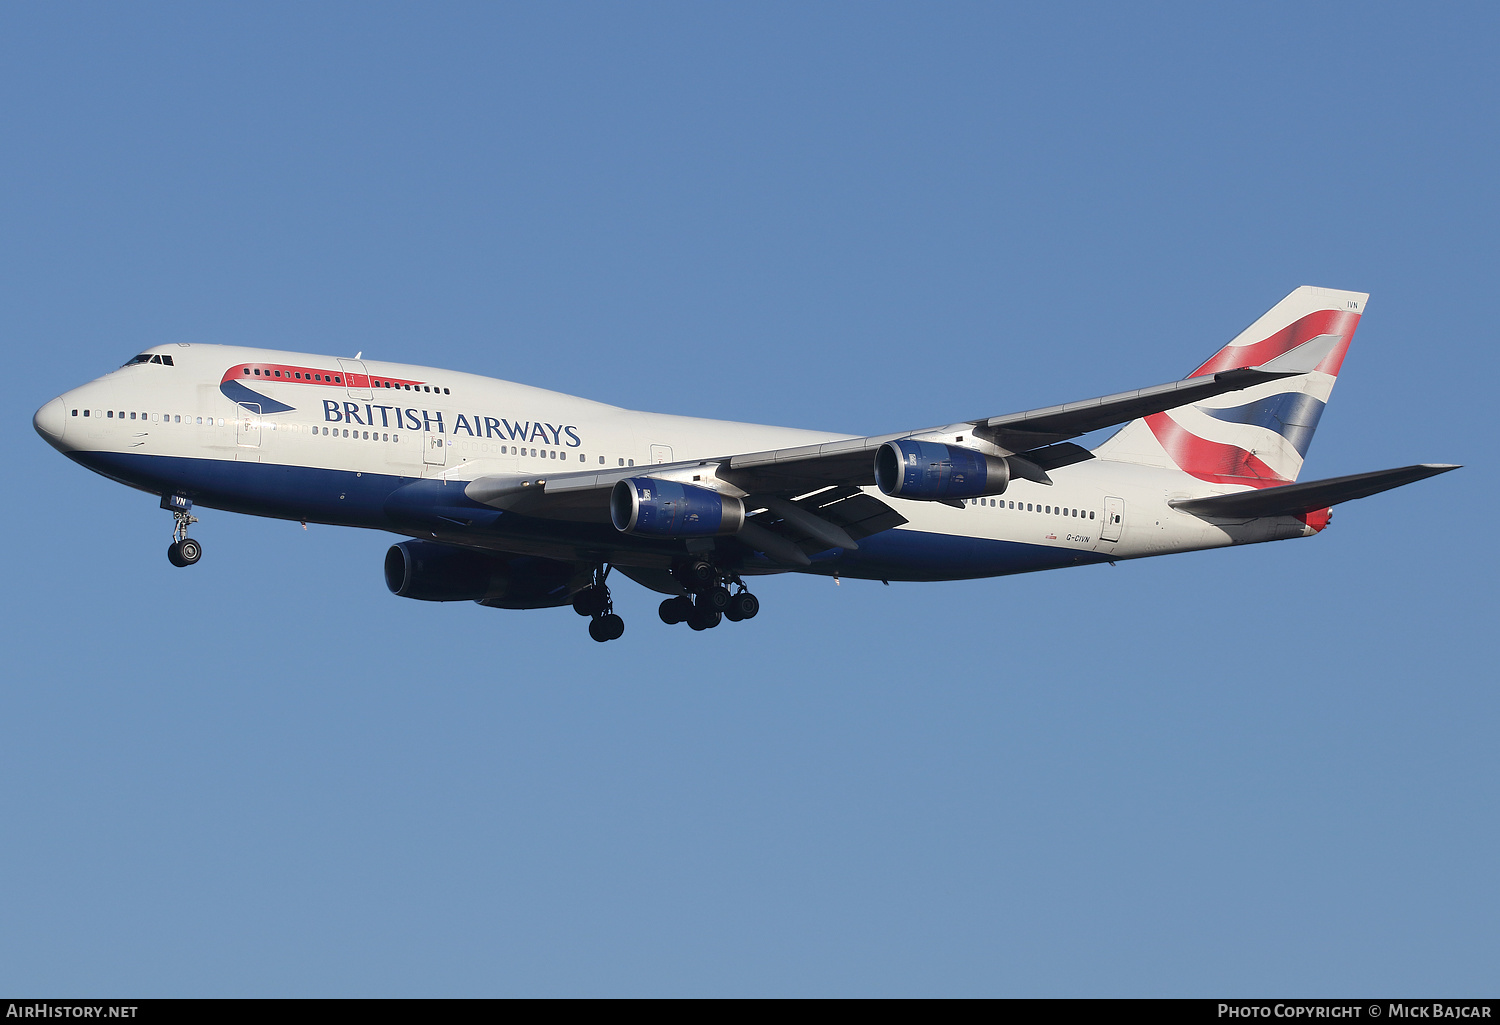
<point>810,495</point>
<point>1292,499</point>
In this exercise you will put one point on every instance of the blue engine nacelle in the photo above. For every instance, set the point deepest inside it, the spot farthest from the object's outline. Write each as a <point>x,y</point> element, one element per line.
<point>665,508</point>
<point>929,470</point>
<point>431,571</point>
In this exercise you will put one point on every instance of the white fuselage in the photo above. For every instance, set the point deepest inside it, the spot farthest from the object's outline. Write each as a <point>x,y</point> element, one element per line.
<point>221,425</point>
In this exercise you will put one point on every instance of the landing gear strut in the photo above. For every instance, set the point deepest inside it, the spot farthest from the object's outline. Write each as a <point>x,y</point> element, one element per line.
<point>183,551</point>
<point>595,602</point>
<point>712,602</point>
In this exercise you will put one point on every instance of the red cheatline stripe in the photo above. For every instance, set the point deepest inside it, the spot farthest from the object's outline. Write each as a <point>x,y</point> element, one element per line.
<point>1322,322</point>
<point>309,375</point>
<point>1211,460</point>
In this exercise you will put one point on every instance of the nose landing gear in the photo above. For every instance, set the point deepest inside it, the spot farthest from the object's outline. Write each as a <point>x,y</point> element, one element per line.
<point>595,602</point>
<point>183,551</point>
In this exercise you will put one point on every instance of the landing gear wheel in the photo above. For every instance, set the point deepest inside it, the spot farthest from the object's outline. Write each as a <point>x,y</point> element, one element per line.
<point>704,619</point>
<point>174,555</point>
<point>718,599</point>
<point>743,606</point>
<point>608,627</point>
<point>189,551</point>
<point>591,601</point>
<point>700,575</point>
<point>675,610</point>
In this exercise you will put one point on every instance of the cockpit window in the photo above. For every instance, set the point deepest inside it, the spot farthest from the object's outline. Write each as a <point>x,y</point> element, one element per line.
<point>147,357</point>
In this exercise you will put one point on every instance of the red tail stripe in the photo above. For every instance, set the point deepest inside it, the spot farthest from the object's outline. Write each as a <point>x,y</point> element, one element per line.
<point>1211,461</point>
<point>1322,322</point>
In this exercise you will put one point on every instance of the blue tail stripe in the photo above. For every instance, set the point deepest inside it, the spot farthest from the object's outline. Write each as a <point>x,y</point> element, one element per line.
<point>1292,415</point>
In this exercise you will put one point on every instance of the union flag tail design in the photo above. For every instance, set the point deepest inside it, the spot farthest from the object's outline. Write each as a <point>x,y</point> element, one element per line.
<point>1259,436</point>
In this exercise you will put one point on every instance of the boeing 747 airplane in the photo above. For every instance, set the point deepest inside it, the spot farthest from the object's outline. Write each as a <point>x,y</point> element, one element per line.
<point>521,498</point>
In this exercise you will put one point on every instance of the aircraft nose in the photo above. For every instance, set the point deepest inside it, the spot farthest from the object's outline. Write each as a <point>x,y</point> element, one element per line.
<point>50,421</point>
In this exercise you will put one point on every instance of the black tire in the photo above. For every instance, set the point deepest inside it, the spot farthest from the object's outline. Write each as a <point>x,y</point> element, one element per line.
<point>719,598</point>
<point>675,610</point>
<point>612,625</point>
<point>189,551</point>
<point>701,575</point>
<point>174,555</point>
<point>591,601</point>
<point>746,604</point>
<point>704,619</point>
<point>598,631</point>
<point>732,614</point>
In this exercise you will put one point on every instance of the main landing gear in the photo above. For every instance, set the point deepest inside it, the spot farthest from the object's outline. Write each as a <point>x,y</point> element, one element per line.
<point>712,601</point>
<point>595,602</point>
<point>183,551</point>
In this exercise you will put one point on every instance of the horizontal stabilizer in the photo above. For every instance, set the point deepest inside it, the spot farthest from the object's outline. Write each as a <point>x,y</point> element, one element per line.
<point>1294,499</point>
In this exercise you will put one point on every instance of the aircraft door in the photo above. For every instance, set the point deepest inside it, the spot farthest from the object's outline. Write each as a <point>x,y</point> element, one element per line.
<point>247,424</point>
<point>434,449</point>
<point>356,378</point>
<point>1114,519</point>
<point>661,453</point>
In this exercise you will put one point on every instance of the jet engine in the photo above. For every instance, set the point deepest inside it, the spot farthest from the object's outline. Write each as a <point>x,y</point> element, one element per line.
<point>931,471</point>
<point>665,508</point>
<point>430,571</point>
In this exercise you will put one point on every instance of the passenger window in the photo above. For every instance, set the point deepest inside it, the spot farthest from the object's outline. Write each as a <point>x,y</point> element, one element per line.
<point>601,460</point>
<point>395,438</point>
<point>111,414</point>
<point>632,462</point>
<point>1091,515</point>
<point>622,462</point>
<point>445,391</point>
<point>247,371</point>
<point>132,416</point>
<point>85,412</point>
<point>75,412</point>
<point>257,371</point>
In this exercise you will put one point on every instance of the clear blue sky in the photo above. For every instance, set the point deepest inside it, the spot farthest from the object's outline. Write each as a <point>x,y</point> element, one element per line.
<point>1263,771</point>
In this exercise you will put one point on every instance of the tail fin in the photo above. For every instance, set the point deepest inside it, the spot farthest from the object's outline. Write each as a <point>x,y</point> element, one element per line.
<point>1259,436</point>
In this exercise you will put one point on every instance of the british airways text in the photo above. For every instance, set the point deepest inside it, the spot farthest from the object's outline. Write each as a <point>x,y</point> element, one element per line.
<point>364,414</point>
